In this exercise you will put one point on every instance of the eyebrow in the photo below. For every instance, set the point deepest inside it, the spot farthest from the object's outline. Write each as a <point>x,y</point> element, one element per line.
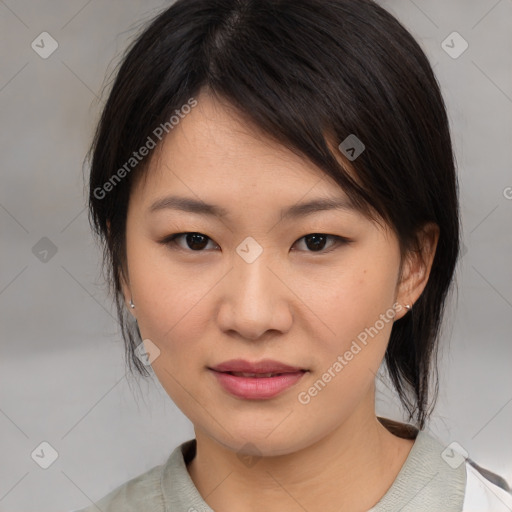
<point>191,205</point>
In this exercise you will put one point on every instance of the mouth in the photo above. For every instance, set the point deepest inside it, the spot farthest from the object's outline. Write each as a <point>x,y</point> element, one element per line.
<point>259,375</point>
<point>257,385</point>
<point>263,368</point>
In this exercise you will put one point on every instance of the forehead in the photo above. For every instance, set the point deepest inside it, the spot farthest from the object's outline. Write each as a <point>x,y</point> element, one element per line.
<point>213,151</point>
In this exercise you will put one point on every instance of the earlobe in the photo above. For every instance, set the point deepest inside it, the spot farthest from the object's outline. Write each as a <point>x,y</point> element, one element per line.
<point>127,295</point>
<point>124,281</point>
<point>125,289</point>
<point>130,306</point>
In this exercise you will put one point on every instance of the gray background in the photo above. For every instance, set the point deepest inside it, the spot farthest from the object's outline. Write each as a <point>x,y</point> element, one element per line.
<point>62,368</point>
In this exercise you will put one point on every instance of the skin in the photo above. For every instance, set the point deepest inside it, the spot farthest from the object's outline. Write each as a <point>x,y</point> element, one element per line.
<point>299,306</point>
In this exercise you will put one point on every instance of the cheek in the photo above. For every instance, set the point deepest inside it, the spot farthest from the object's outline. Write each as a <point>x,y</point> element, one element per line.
<point>352,294</point>
<point>360,318</point>
<point>172,312</point>
<point>169,297</point>
<point>356,307</point>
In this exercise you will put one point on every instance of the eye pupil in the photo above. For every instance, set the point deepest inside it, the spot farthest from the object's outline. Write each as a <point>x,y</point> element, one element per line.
<point>315,237</point>
<point>196,241</point>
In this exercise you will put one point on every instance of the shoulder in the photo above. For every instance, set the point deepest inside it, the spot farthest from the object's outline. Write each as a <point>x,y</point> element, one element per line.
<point>485,491</point>
<point>140,493</point>
<point>439,477</point>
<point>156,490</point>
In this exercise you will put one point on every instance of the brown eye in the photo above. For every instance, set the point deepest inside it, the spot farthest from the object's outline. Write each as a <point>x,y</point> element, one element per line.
<point>316,242</point>
<point>195,242</point>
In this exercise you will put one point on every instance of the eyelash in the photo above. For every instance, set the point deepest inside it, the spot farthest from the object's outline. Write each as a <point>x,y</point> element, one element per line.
<point>170,241</point>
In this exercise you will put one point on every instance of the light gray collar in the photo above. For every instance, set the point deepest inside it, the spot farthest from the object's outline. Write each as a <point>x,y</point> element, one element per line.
<point>426,481</point>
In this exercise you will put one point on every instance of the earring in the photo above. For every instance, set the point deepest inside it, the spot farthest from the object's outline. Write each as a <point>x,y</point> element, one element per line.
<point>408,307</point>
<point>132,305</point>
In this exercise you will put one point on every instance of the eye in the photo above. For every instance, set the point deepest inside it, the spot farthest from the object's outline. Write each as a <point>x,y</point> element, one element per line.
<point>317,241</point>
<point>197,242</point>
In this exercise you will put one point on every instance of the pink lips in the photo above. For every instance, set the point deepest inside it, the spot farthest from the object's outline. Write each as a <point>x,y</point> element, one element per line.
<point>252,386</point>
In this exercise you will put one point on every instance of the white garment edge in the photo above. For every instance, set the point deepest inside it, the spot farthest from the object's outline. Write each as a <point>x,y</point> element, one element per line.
<point>481,495</point>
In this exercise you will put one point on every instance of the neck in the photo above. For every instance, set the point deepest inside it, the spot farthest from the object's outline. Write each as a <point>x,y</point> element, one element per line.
<point>349,469</point>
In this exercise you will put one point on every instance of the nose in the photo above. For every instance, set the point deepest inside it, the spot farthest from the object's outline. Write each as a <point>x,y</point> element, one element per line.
<point>255,299</point>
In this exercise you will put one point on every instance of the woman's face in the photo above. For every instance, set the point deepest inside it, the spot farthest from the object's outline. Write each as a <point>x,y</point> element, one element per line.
<point>254,286</point>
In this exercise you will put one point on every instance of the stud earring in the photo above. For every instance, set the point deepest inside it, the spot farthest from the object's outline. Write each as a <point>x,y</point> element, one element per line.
<point>132,305</point>
<point>408,307</point>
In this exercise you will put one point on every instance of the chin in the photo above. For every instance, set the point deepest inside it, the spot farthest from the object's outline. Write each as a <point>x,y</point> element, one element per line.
<point>251,440</point>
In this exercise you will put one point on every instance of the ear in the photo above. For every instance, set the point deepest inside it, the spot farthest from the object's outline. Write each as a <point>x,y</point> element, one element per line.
<point>416,268</point>
<point>125,288</point>
<point>125,285</point>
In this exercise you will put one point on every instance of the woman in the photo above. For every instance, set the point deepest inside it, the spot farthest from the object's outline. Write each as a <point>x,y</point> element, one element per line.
<point>274,185</point>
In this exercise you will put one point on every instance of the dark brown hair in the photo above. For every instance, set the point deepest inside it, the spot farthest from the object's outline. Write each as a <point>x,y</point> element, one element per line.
<point>307,73</point>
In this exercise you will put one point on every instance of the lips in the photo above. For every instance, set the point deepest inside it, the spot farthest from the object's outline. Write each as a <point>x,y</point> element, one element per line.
<point>261,380</point>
